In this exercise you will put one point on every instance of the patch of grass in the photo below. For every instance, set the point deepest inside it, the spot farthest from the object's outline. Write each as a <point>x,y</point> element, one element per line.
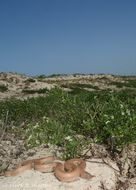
<point>52,131</point>
<point>41,77</point>
<point>57,118</point>
<point>39,91</point>
<point>50,76</point>
<point>128,83</point>
<point>117,84</point>
<point>131,83</point>
<point>56,75</point>
<point>78,74</point>
<point>77,91</point>
<point>3,88</point>
<point>79,85</point>
<point>29,80</point>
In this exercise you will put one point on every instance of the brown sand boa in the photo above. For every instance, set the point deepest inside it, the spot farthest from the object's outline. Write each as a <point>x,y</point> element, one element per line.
<point>68,171</point>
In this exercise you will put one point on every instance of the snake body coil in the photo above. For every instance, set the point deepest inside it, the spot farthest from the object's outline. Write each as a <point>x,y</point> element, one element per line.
<point>68,171</point>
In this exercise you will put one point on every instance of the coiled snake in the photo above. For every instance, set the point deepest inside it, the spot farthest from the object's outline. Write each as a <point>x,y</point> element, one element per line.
<point>68,171</point>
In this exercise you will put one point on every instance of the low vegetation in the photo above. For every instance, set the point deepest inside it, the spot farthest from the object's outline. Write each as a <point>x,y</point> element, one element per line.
<point>32,91</point>
<point>79,86</point>
<point>3,88</point>
<point>29,80</point>
<point>73,120</point>
<point>127,83</point>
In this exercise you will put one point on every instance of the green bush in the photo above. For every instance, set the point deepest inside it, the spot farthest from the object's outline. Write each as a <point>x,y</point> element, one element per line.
<point>3,88</point>
<point>79,86</point>
<point>127,83</point>
<point>38,91</point>
<point>29,80</point>
<point>53,132</point>
<point>97,116</point>
<point>41,77</point>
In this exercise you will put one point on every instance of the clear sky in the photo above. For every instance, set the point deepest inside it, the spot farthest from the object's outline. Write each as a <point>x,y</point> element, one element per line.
<point>68,36</point>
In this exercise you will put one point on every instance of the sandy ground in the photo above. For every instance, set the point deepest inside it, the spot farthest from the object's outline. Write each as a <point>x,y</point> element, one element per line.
<point>38,181</point>
<point>42,181</point>
<point>16,83</point>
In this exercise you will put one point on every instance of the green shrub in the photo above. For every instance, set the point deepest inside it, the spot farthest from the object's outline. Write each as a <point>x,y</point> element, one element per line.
<point>29,80</point>
<point>53,132</point>
<point>41,77</point>
<point>38,91</point>
<point>128,83</point>
<point>3,88</point>
<point>79,86</point>
<point>98,116</point>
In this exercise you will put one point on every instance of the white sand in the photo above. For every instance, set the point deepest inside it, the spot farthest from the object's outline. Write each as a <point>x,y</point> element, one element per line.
<point>47,181</point>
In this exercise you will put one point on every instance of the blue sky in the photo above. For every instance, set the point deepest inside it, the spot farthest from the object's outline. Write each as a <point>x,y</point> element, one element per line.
<point>68,36</point>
